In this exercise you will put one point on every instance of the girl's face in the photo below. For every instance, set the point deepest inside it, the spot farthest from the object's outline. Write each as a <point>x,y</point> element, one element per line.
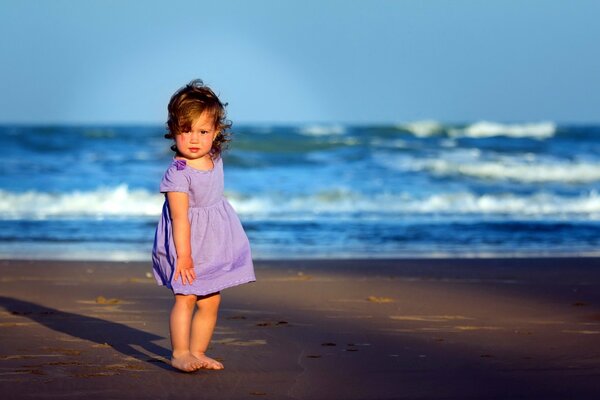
<point>197,142</point>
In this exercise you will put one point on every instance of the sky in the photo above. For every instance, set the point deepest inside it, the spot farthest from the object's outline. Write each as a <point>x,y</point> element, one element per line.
<point>309,61</point>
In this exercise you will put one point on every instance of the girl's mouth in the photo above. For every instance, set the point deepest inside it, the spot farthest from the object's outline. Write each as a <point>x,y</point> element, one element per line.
<point>194,149</point>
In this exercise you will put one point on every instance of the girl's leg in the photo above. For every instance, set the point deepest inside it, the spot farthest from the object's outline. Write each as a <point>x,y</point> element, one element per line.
<point>181,318</point>
<point>203,326</point>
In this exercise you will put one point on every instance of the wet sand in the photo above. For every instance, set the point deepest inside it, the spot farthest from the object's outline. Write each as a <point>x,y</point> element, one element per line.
<point>343,329</point>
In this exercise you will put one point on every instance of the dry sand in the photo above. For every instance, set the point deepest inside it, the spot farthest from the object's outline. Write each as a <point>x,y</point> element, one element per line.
<point>353,329</point>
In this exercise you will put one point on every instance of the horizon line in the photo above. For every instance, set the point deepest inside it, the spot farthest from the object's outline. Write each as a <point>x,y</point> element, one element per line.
<point>294,123</point>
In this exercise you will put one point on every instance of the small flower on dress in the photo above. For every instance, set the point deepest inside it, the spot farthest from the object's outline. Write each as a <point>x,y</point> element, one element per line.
<point>180,164</point>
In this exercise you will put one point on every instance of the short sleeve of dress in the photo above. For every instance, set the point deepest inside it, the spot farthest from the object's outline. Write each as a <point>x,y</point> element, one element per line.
<point>175,180</point>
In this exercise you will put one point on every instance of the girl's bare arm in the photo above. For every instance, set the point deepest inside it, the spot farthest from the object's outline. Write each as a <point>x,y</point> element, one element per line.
<point>178,207</point>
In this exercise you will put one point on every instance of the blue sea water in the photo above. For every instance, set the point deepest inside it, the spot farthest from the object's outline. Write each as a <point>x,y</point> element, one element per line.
<point>421,189</point>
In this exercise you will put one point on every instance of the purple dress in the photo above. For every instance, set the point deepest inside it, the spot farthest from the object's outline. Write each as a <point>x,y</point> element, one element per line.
<point>220,248</point>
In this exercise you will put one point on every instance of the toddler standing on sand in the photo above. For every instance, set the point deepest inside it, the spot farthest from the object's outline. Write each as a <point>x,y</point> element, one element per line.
<point>200,246</point>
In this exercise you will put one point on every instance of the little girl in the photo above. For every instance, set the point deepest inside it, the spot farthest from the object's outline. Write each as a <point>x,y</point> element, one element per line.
<point>200,246</point>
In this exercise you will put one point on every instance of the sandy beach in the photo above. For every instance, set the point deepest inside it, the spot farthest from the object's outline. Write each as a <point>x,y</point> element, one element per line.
<point>335,329</point>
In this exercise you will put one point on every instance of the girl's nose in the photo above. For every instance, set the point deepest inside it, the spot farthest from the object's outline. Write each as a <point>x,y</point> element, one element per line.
<point>195,137</point>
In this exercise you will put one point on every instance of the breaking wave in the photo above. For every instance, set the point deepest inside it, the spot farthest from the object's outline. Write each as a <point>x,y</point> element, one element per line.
<point>322,130</point>
<point>484,129</point>
<point>481,129</point>
<point>336,203</point>
<point>525,169</point>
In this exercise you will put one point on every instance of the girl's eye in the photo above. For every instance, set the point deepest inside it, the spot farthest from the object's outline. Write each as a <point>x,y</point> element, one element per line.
<point>190,132</point>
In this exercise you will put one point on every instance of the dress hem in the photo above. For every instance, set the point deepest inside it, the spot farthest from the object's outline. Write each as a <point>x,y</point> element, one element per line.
<point>214,289</point>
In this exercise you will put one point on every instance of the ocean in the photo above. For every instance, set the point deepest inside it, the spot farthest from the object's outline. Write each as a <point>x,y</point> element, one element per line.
<point>420,189</point>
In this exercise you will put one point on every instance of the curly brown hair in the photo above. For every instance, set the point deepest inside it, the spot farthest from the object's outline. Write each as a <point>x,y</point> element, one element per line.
<point>188,103</point>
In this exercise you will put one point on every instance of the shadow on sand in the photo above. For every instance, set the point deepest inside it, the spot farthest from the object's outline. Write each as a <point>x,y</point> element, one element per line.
<point>120,337</point>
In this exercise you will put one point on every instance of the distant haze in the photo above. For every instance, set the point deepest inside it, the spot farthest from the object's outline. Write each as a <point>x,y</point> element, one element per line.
<point>118,62</point>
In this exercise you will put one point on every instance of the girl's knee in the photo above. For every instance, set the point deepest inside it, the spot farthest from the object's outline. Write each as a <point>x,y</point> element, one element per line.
<point>185,300</point>
<point>209,302</point>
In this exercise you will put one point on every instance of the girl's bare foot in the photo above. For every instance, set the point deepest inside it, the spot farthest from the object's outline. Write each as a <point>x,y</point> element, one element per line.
<point>208,363</point>
<point>186,362</point>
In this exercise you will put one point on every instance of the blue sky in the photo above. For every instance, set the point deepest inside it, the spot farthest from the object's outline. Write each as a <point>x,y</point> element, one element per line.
<point>302,61</point>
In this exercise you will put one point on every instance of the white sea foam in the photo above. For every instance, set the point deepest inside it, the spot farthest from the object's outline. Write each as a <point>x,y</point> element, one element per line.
<point>524,168</point>
<point>121,202</point>
<point>322,130</point>
<point>530,173</point>
<point>423,128</point>
<point>345,202</point>
<point>484,129</point>
<point>539,204</point>
<point>105,202</point>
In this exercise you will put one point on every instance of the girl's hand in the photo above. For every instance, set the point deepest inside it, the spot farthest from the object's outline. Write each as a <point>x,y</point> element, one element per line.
<point>185,269</point>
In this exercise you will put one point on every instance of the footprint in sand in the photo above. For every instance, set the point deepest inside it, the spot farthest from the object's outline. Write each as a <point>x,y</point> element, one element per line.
<point>352,346</point>
<point>429,318</point>
<point>58,363</point>
<point>125,367</point>
<point>236,317</point>
<point>18,356</point>
<point>32,371</point>
<point>95,374</point>
<point>14,324</point>
<point>141,280</point>
<point>302,277</point>
<point>278,323</point>
<point>104,300</point>
<point>477,328</point>
<point>580,304</point>
<point>375,299</point>
<point>65,352</point>
<point>102,345</point>
<point>237,342</point>
<point>583,332</point>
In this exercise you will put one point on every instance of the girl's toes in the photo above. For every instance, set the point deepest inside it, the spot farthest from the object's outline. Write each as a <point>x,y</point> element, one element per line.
<point>186,363</point>
<point>208,363</point>
<point>216,365</point>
